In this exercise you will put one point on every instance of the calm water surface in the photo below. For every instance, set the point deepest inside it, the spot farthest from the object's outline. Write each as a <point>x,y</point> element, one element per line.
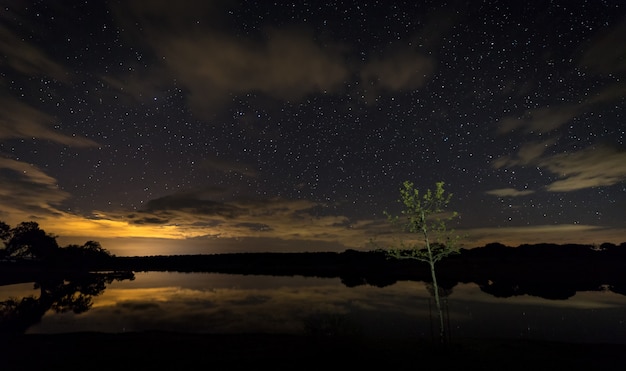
<point>220,303</point>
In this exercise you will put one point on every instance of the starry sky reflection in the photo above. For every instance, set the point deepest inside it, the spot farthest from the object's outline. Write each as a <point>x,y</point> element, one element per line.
<point>213,126</point>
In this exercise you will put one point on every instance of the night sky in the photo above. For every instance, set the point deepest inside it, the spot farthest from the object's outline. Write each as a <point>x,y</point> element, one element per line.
<point>174,127</point>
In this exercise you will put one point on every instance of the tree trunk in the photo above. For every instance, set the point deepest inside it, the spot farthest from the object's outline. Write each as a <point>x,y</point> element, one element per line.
<point>442,329</point>
<point>431,262</point>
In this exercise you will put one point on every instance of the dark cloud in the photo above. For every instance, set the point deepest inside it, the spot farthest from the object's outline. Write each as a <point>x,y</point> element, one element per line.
<point>259,227</point>
<point>28,59</point>
<point>213,64</point>
<point>141,85</point>
<point>148,220</point>
<point>251,300</point>
<point>227,166</point>
<point>134,306</point>
<point>192,203</point>
<point>540,120</point>
<point>606,52</point>
<point>398,71</point>
<point>287,65</point>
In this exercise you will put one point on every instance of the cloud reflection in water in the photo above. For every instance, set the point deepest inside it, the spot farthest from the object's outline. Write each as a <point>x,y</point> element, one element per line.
<point>221,303</point>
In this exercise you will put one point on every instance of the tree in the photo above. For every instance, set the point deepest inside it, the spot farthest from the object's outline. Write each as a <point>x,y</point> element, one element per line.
<point>5,234</point>
<point>28,240</point>
<point>424,214</point>
<point>90,254</point>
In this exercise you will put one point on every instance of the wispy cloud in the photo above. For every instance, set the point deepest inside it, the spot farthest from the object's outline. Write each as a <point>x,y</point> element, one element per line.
<point>550,118</point>
<point>19,120</point>
<point>509,192</point>
<point>31,191</point>
<point>529,153</point>
<point>591,167</point>
<point>28,59</point>
<point>594,166</point>
<point>540,120</point>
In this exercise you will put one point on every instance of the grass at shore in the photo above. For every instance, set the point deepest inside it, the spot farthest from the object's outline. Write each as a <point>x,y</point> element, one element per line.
<point>176,351</point>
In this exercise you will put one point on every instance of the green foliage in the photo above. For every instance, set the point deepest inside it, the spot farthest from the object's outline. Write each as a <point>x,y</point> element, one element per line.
<point>425,214</point>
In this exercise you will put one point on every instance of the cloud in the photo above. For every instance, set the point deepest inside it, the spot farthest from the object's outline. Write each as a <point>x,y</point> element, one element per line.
<point>529,153</point>
<point>606,53</point>
<point>547,119</point>
<point>540,120</point>
<point>198,209</point>
<point>286,62</point>
<point>610,93</point>
<point>594,166</point>
<point>194,214</point>
<point>400,70</point>
<point>187,202</point>
<point>27,59</point>
<point>30,191</point>
<point>509,192</point>
<point>141,85</point>
<point>227,166</point>
<point>19,120</point>
<point>213,64</point>
<point>255,226</point>
<point>591,167</point>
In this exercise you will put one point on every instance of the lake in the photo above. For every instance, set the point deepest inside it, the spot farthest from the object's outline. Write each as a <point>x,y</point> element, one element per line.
<point>224,303</point>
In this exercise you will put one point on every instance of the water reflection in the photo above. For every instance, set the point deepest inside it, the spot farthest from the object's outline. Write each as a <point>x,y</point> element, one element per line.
<point>222,303</point>
<point>56,293</point>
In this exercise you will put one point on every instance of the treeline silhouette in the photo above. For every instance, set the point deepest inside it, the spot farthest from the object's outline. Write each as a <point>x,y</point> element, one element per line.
<point>547,270</point>
<point>27,242</point>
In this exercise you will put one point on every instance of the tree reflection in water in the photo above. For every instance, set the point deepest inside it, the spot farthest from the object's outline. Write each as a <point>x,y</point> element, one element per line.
<point>58,293</point>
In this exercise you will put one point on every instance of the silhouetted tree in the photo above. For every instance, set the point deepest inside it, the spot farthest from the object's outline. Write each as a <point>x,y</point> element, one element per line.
<point>28,240</point>
<point>5,234</point>
<point>424,214</point>
<point>89,254</point>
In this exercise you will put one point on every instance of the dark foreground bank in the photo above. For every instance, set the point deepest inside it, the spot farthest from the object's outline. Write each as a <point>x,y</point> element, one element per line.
<point>174,351</point>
